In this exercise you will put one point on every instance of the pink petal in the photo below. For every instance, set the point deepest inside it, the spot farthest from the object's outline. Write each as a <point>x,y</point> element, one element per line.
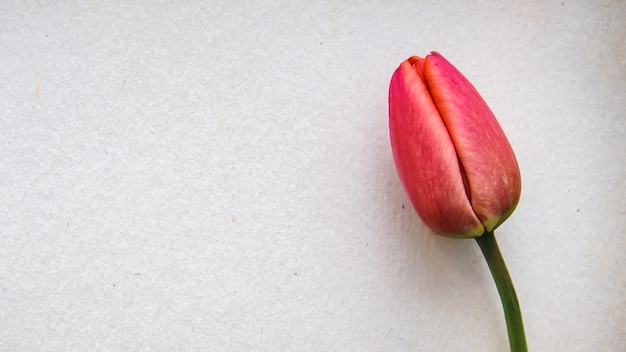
<point>425,156</point>
<point>483,149</point>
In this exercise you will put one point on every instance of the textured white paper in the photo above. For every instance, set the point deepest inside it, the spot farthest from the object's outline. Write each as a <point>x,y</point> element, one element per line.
<point>217,177</point>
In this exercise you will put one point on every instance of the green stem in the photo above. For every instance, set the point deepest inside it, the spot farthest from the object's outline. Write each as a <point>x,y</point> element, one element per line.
<point>512,312</point>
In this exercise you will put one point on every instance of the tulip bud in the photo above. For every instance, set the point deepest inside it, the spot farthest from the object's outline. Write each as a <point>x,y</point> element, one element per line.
<point>452,156</point>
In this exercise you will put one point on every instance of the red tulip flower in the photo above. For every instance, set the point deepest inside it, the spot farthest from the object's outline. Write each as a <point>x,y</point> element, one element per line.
<point>455,164</point>
<point>451,154</point>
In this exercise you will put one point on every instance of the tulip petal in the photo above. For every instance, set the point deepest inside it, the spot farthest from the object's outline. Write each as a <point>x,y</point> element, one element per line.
<point>425,157</point>
<point>485,153</point>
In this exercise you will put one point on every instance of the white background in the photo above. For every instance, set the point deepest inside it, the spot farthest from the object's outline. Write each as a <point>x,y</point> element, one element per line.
<point>218,177</point>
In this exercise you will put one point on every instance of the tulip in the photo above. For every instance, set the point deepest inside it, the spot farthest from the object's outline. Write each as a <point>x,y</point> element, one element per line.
<point>456,164</point>
<point>451,154</point>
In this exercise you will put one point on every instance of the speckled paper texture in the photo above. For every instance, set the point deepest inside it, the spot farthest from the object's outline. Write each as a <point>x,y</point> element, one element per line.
<point>217,176</point>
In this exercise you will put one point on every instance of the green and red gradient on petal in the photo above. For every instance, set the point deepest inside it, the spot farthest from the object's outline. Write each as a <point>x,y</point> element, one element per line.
<point>451,154</point>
